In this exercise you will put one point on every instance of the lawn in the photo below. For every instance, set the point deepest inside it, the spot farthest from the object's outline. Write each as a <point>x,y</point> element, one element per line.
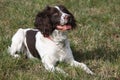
<point>95,41</point>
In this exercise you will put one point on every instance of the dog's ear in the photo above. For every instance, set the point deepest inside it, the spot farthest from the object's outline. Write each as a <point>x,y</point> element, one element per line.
<point>43,23</point>
<point>46,9</point>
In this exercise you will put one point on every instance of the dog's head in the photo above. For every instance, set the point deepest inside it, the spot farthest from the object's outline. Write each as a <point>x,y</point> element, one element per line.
<point>51,18</point>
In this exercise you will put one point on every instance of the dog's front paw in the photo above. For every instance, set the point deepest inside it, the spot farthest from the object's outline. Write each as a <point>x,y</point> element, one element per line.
<point>90,72</point>
<point>16,56</point>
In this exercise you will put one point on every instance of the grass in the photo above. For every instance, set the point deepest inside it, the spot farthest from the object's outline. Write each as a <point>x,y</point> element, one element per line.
<point>96,41</point>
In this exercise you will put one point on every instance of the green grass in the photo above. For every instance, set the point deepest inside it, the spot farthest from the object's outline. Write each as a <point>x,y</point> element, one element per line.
<point>96,41</point>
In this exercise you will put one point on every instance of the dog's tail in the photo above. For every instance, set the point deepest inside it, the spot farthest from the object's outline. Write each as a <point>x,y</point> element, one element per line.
<point>17,42</point>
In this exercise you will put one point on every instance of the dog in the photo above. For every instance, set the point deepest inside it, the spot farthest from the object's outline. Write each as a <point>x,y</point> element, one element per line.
<point>48,40</point>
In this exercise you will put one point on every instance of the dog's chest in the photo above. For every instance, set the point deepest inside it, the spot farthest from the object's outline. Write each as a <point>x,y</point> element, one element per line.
<point>61,50</point>
<point>60,39</point>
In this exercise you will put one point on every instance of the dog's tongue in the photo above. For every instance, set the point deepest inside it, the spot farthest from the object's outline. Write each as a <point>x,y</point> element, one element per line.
<point>64,27</point>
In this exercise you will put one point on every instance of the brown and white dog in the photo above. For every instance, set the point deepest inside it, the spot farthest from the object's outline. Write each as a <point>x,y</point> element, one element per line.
<point>49,40</point>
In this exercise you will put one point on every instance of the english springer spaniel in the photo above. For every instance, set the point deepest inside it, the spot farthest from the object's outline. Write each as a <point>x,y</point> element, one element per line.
<point>48,40</point>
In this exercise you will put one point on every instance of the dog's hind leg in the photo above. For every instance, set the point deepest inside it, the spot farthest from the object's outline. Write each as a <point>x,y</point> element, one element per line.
<point>17,43</point>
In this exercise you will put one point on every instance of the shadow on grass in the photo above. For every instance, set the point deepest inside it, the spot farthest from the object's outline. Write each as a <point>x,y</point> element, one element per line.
<point>103,53</point>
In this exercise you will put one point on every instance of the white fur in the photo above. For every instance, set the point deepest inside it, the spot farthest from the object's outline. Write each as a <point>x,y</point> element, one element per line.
<point>50,51</point>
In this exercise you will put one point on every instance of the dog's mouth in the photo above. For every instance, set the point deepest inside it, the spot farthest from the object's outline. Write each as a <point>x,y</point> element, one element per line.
<point>64,27</point>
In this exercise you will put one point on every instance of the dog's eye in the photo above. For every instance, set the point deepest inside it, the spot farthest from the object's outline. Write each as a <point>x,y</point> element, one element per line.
<point>55,14</point>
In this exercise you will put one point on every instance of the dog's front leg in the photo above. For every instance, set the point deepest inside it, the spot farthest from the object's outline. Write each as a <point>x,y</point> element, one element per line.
<point>72,62</point>
<point>50,66</point>
<point>81,65</point>
<point>61,71</point>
